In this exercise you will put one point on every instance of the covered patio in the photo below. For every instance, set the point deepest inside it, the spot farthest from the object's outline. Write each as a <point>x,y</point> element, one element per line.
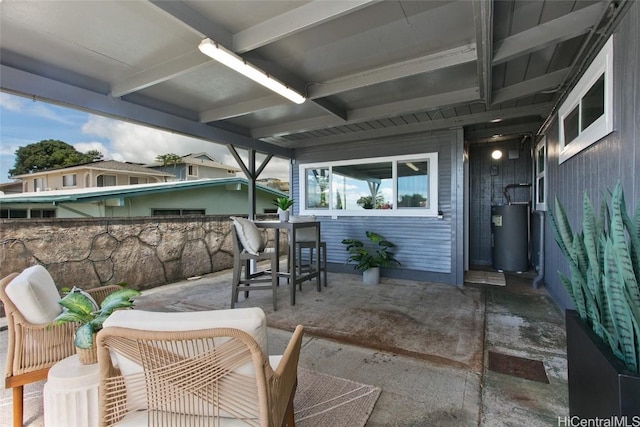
<point>440,363</point>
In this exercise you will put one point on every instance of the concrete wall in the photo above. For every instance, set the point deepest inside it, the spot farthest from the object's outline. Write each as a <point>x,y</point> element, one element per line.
<point>144,252</point>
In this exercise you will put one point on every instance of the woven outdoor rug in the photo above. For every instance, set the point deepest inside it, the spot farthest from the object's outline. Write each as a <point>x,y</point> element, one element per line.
<point>485,277</point>
<point>323,400</point>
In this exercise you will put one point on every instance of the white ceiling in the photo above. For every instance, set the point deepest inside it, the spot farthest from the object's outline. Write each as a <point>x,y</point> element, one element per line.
<point>370,68</point>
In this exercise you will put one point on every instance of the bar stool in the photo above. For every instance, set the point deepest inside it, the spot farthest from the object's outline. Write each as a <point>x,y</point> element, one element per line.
<point>306,240</point>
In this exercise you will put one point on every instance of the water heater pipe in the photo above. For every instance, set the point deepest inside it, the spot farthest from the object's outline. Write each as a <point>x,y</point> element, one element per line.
<point>507,187</point>
<point>540,276</point>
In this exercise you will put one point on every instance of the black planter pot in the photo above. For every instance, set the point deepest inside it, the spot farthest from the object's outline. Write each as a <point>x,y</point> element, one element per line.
<point>599,384</point>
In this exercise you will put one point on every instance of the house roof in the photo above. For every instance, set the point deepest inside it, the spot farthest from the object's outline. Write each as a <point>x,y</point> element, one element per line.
<point>370,68</point>
<point>203,159</point>
<point>104,165</point>
<point>102,193</point>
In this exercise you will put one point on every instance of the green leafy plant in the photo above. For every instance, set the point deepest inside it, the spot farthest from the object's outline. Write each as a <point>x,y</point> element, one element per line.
<point>78,308</point>
<point>283,203</point>
<point>604,263</point>
<point>380,255</point>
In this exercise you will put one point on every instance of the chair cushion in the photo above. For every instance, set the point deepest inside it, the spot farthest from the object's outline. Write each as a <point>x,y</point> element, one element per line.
<point>249,235</point>
<point>250,320</point>
<point>35,295</point>
<point>304,234</point>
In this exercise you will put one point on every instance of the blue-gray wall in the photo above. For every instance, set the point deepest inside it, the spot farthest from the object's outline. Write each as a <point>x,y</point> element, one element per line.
<point>429,249</point>
<point>599,167</point>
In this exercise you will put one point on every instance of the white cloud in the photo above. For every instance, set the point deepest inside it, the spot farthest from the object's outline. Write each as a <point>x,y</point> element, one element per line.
<point>11,103</point>
<point>135,143</point>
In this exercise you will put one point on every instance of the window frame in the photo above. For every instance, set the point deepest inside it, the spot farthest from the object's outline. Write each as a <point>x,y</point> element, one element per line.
<point>192,170</point>
<point>395,211</point>
<point>74,179</point>
<point>540,175</point>
<point>602,64</point>
<point>105,175</point>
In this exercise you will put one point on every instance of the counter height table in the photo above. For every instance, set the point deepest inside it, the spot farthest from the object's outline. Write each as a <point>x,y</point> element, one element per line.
<point>291,228</point>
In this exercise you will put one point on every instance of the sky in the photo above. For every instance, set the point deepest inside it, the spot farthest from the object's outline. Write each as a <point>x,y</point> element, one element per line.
<point>24,121</point>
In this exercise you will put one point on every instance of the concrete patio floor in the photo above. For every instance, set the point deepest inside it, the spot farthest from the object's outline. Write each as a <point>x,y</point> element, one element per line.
<point>515,320</point>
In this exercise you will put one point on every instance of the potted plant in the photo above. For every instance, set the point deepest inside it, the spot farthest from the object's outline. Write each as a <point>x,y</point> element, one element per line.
<point>370,259</point>
<point>283,204</point>
<point>80,308</point>
<point>603,332</point>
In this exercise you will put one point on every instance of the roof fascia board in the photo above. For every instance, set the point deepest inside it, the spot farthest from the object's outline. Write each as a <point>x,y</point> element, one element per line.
<point>549,33</point>
<point>33,86</point>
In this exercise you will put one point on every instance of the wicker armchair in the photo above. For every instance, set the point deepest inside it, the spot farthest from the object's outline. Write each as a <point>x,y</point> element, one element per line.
<point>33,344</point>
<point>205,377</point>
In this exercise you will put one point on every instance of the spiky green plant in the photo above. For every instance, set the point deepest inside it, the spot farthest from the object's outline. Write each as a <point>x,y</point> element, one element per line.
<point>78,308</point>
<point>366,258</point>
<point>604,263</point>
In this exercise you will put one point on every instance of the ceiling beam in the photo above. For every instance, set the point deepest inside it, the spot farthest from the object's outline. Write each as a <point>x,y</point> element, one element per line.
<point>194,21</point>
<point>457,121</point>
<point>160,73</point>
<point>240,108</point>
<point>393,109</point>
<point>36,87</point>
<point>496,132</point>
<point>483,20</point>
<point>549,33</point>
<point>531,86</point>
<point>294,21</point>
<point>447,58</point>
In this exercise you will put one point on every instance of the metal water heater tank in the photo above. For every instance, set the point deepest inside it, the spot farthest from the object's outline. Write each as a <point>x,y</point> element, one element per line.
<point>510,237</point>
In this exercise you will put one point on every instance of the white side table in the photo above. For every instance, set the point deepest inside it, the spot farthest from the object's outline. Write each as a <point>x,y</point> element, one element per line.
<point>71,394</point>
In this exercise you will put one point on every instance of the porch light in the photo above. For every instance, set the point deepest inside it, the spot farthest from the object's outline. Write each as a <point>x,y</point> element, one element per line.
<point>233,61</point>
<point>496,154</point>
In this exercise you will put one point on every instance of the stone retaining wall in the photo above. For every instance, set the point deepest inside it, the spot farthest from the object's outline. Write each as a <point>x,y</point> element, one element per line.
<point>145,252</point>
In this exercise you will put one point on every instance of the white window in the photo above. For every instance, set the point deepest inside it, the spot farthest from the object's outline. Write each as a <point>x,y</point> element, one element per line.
<point>39,184</point>
<point>137,180</point>
<point>586,116</point>
<point>384,186</point>
<point>540,165</point>
<point>69,180</point>
<point>106,180</point>
<point>192,170</point>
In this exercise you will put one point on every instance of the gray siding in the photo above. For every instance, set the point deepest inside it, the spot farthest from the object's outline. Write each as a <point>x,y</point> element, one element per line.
<point>428,248</point>
<point>599,167</point>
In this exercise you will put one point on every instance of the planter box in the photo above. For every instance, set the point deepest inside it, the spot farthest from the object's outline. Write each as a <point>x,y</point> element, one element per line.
<point>599,384</point>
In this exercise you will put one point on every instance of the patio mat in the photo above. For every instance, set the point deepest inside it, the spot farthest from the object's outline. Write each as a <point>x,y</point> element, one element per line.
<point>518,367</point>
<point>324,400</point>
<point>485,277</point>
<point>439,323</point>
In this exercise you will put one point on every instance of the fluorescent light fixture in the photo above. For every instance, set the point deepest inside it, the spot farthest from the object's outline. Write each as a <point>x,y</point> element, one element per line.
<point>497,154</point>
<point>233,61</point>
<point>412,166</point>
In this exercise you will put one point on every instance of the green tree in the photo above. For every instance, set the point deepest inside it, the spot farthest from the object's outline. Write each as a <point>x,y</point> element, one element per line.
<point>169,159</point>
<point>49,154</point>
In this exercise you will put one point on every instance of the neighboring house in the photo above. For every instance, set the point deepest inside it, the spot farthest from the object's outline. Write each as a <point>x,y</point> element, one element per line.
<point>220,196</point>
<point>196,166</point>
<point>11,187</point>
<point>276,183</point>
<point>105,173</point>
